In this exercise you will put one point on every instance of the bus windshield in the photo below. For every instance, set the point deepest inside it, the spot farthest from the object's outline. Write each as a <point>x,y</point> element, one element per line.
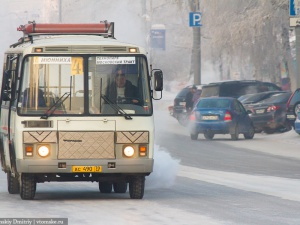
<point>60,85</point>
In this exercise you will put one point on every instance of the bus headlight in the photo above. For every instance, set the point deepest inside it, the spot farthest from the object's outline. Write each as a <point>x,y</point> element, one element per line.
<point>128,151</point>
<point>43,151</point>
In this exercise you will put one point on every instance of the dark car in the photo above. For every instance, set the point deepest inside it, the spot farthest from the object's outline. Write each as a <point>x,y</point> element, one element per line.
<point>249,99</point>
<point>254,98</point>
<point>237,88</point>
<point>178,110</point>
<point>269,115</point>
<point>220,115</point>
<point>293,107</point>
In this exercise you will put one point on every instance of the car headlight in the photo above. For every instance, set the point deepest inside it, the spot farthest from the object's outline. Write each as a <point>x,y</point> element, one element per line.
<point>43,151</point>
<point>128,151</point>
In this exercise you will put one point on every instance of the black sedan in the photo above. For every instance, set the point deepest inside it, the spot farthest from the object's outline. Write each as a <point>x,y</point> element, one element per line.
<point>257,97</point>
<point>269,115</point>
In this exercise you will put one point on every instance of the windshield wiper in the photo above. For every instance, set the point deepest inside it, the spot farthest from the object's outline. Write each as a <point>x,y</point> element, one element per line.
<point>116,107</point>
<point>51,110</point>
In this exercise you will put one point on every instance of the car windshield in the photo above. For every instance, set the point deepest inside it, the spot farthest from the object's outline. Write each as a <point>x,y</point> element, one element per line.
<point>213,103</point>
<point>55,85</point>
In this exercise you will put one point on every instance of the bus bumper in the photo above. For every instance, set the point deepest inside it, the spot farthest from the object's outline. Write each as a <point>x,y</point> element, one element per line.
<point>107,166</point>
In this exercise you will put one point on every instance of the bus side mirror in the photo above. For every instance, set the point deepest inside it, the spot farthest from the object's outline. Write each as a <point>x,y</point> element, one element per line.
<point>6,86</point>
<point>158,80</point>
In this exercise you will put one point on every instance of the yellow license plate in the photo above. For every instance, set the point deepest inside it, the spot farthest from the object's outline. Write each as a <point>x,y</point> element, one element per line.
<point>86,169</point>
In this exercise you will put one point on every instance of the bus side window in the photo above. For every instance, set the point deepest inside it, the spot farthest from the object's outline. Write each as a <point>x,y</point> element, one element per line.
<point>8,90</point>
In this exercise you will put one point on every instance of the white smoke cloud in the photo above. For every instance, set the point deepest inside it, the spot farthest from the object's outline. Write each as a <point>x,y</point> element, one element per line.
<point>165,170</point>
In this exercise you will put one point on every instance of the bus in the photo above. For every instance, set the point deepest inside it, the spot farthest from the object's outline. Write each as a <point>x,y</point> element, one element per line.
<point>76,105</point>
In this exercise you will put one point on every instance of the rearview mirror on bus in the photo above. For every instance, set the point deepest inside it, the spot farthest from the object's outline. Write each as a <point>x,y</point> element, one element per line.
<point>158,80</point>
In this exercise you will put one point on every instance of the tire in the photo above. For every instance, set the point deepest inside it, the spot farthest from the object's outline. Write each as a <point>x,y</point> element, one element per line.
<point>297,108</point>
<point>209,135</point>
<point>136,187</point>
<point>194,136</point>
<point>250,133</point>
<point>2,158</point>
<point>105,187</point>
<point>13,185</point>
<point>235,134</point>
<point>27,187</point>
<point>120,187</point>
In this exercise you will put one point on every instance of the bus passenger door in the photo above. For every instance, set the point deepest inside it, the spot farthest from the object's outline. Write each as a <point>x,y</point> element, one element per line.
<point>8,111</point>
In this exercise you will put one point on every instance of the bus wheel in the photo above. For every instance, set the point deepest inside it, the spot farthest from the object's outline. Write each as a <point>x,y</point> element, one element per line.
<point>120,187</point>
<point>13,185</point>
<point>136,187</point>
<point>105,187</point>
<point>28,186</point>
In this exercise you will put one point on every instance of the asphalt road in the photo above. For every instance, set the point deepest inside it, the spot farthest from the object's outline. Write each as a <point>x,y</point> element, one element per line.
<point>277,154</point>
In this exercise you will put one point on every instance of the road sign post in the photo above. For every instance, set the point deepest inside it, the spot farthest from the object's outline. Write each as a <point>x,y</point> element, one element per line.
<point>195,23</point>
<point>295,22</point>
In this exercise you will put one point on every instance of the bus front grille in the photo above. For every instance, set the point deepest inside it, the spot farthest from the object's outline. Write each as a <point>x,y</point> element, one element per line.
<point>86,145</point>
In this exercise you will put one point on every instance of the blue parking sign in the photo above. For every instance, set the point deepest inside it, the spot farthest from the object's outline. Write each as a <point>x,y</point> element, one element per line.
<point>195,19</point>
<point>294,8</point>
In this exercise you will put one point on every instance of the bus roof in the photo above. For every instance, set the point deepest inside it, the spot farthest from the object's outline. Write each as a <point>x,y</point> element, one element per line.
<point>71,38</point>
<point>75,44</point>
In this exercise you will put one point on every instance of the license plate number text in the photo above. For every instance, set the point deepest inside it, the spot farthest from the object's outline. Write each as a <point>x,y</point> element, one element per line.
<point>86,169</point>
<point>209,117</point>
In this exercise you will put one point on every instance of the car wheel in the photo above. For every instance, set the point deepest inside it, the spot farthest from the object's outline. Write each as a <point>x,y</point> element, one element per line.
<point>297,108</point>
<point>235,134</point>
<point>105,187</point>
<point>209,135</point>
<point>250,133</point>
<point>194,136</point>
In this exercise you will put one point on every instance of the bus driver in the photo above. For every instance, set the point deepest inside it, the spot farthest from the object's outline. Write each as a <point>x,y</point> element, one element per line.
<point>122,90</point>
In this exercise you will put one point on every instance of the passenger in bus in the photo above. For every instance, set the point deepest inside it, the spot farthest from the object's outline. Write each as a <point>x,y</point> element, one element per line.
<point>30,100</point>
<point>122,90</point>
